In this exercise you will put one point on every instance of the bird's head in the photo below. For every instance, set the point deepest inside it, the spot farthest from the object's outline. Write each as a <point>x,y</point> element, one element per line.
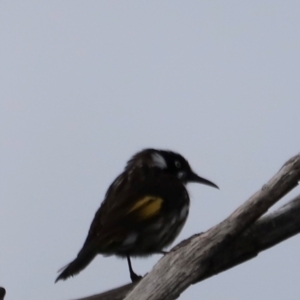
<point>170,162</point>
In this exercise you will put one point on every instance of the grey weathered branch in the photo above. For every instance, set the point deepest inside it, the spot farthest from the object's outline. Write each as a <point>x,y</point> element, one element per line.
<point>266,232</point>
<point>191,261</point>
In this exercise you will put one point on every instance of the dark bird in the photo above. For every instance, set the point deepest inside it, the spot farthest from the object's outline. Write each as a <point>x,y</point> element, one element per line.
<point>143,211</point>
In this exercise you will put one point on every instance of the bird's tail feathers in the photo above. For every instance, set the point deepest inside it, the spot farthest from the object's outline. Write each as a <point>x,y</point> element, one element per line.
<point>82,260</point>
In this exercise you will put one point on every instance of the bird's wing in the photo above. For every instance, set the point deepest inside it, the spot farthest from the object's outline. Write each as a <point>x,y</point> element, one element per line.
<point>130,202</point>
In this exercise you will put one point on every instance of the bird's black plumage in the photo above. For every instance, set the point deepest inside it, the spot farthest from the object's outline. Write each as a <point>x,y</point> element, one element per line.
<point>143,211</point>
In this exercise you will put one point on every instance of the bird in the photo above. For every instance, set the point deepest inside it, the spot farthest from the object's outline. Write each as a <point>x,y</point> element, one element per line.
<point>143,211</point>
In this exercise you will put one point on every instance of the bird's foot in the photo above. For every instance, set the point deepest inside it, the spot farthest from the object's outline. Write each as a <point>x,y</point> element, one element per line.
<point>134,277</point>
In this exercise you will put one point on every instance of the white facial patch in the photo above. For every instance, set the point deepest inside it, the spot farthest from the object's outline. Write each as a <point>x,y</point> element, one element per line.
<point>180,175</point>
<point>158,161</point>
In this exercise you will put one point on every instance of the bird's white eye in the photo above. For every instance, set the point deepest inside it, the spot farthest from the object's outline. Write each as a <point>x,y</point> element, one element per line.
<point>177,164</point>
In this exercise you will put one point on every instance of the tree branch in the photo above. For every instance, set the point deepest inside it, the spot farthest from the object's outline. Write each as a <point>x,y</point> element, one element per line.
<point>266,232</point>
<point>199,257</point>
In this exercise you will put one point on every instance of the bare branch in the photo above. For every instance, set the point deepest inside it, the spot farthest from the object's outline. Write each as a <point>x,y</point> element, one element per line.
<point>266,232</point>
<point>115,294</point>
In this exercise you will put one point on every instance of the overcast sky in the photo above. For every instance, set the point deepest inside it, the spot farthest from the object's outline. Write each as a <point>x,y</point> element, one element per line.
<point>86,84</point>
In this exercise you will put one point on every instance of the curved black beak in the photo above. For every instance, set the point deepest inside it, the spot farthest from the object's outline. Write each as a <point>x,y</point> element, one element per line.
<point>193,177</point>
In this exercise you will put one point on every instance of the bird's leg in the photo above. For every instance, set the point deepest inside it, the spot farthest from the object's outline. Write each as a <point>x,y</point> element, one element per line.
<point>134,277</point>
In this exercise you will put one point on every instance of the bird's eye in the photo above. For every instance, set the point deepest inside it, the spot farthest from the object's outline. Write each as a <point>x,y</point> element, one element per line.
<point>177,164</point>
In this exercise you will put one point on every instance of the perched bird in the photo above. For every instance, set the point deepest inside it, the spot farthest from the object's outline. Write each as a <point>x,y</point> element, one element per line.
<point>143,211</point>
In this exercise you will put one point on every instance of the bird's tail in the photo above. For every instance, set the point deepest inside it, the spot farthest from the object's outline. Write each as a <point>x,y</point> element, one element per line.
<point>83,258</point>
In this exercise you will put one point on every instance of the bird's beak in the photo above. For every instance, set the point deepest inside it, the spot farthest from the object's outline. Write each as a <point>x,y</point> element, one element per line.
<point>193,177</point>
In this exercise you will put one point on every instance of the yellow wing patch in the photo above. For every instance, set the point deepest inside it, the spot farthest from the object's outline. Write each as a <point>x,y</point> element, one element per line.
<point>147,207</point>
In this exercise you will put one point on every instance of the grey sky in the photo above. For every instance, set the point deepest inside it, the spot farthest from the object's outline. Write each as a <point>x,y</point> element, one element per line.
<point>85,84</point>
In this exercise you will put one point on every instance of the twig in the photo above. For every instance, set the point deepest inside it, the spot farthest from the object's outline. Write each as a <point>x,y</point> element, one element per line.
<point>2,293</point>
